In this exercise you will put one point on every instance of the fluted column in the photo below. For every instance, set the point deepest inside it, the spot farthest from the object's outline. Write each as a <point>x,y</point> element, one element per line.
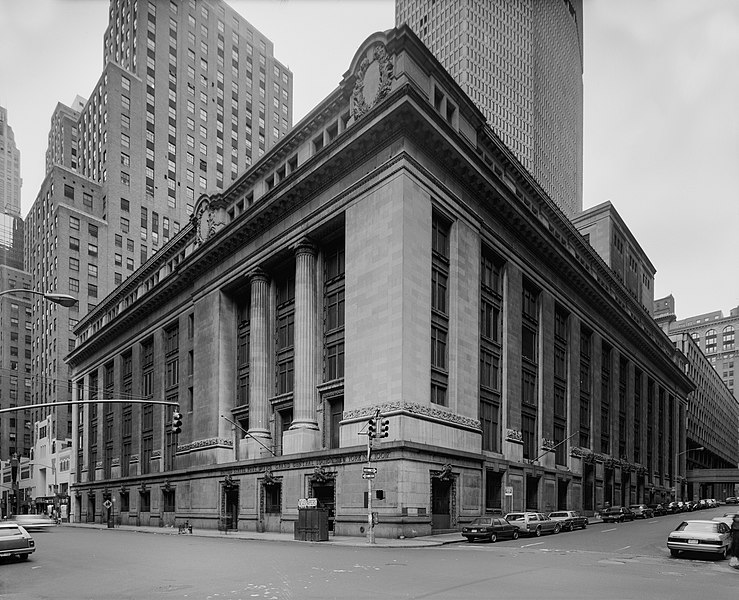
<point>259,366</point>
<point>303,433</point>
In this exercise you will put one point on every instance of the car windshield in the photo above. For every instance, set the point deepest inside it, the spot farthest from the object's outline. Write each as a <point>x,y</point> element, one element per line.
<point>9,531</point>
<point>482,521</point>
<point>515,517</point>
<point>698,526</point>
<point>558,514</point>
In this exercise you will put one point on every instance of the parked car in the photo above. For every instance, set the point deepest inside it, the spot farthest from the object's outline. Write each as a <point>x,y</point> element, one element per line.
<point>725,518</point>
<point>712,537</point>
<point>658,510</point>
<point>617,514</point>
<point>15,541</point>
<point>673,507</point>
<point>641,511</point>
<point>489,528</point>
<point>569,519</point>
<point>32,522</point>
<point>731,500</point>
<point>532,523</point>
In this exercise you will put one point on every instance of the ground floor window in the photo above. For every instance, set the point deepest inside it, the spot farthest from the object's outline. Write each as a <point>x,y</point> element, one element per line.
<point>168,500</point>
<point>145,501</point>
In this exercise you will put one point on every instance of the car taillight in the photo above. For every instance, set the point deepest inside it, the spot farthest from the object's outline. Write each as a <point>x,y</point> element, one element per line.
<point>31,543</point>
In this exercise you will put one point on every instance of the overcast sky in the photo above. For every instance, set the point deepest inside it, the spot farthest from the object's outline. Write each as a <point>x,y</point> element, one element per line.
<point>661,100</point>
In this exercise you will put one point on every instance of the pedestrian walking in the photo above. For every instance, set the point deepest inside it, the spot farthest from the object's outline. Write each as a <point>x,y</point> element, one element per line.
<point>734,549</point>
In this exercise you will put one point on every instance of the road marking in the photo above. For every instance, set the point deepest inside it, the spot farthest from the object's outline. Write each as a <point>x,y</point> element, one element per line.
<point>607,530</point>
<point>534,544</point>
<point>624,548</point>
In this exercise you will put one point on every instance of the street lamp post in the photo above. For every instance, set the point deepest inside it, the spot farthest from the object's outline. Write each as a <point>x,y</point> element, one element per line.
<point>677,466</point>
<point>61,299</point>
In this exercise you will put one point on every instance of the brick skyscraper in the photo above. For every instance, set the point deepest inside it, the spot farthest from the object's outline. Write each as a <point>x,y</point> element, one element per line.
<point>189,96</point>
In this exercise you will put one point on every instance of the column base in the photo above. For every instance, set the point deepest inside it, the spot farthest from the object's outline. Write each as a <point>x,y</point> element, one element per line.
<point>301,439</point>
<point>255,449</point>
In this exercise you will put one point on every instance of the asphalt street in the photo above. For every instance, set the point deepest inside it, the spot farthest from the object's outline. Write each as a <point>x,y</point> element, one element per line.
<point>605,561</point>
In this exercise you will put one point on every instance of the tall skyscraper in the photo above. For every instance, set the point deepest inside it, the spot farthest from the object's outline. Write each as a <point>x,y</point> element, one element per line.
<point>521,61</point>
<point>190,94</point>
<point>10,168</point>
<point>15,340</point>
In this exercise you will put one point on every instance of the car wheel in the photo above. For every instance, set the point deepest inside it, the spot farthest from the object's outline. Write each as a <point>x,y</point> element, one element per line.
<point>674,552</point>
<point>584,525</point>
<point>493,538</point>
<point>557,528</point>
<point>515,534</point>
<point>537,533</point>
<point>23,556</point>
<point>469,540</point>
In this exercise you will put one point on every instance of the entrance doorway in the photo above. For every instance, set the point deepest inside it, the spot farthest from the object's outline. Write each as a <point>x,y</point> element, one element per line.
<point>91,508</point>
<point>230,507</point>
<point>325,493</point>
<point>588,486</point>
<point>532,493</point>
<point>441,503</point>
<point>562,485</point>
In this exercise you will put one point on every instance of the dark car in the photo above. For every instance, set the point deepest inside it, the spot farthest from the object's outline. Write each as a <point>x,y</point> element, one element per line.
<point>617,514</point>
<point>15,541</point>
<point>658,510</point>
<point>489,528</point>
<point>673,507</point>
<point>731,500</point>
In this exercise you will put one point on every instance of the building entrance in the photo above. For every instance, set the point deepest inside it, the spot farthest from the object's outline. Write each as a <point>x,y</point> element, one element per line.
<point>230,507</point>
<point>441,502</point>
<point>325,493</point>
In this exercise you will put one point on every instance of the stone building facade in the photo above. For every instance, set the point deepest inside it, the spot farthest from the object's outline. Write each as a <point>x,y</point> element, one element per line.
<point>388,257</point>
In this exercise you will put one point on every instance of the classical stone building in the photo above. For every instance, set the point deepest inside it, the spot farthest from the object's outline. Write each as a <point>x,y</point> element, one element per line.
<point>388,256</point>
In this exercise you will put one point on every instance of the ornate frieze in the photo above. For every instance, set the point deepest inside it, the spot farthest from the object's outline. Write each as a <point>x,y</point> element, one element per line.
<point>205,444</point>
<point>547,444</point>
<point>433,412</point>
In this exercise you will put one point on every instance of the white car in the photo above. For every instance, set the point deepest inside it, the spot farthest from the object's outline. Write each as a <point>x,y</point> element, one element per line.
<point>15,541</point>
<point>31,522</point>
<point>710,537</point>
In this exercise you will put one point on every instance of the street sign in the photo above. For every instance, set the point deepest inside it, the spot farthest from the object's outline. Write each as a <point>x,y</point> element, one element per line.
<point>369,469</point>
<point>368,475</point>
<point>509,490</point>
<point>107,504</point>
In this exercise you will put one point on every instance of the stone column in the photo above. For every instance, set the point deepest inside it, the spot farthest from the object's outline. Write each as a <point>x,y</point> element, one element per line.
<point>259,367</point>
<point>303,435</point>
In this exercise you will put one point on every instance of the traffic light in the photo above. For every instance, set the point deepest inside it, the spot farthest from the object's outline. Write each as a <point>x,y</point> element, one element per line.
<point>176,422</point>
<point>372,428</point>
<point>384,426</point>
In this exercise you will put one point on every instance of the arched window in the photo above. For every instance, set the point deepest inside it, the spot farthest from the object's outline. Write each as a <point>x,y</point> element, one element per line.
<point>710,341</point>
<point>728,338</point>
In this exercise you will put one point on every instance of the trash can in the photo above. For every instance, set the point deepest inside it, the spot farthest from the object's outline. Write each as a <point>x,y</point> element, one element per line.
<point>312,525</point>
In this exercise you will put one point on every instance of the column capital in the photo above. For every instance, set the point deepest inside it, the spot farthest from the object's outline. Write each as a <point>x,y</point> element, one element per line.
<point>305,246</point>
<point>257,275</point>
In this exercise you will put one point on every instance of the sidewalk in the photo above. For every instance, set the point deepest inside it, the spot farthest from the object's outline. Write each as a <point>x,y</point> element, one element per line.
<point>416,542</point>
<point>426,541</point>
